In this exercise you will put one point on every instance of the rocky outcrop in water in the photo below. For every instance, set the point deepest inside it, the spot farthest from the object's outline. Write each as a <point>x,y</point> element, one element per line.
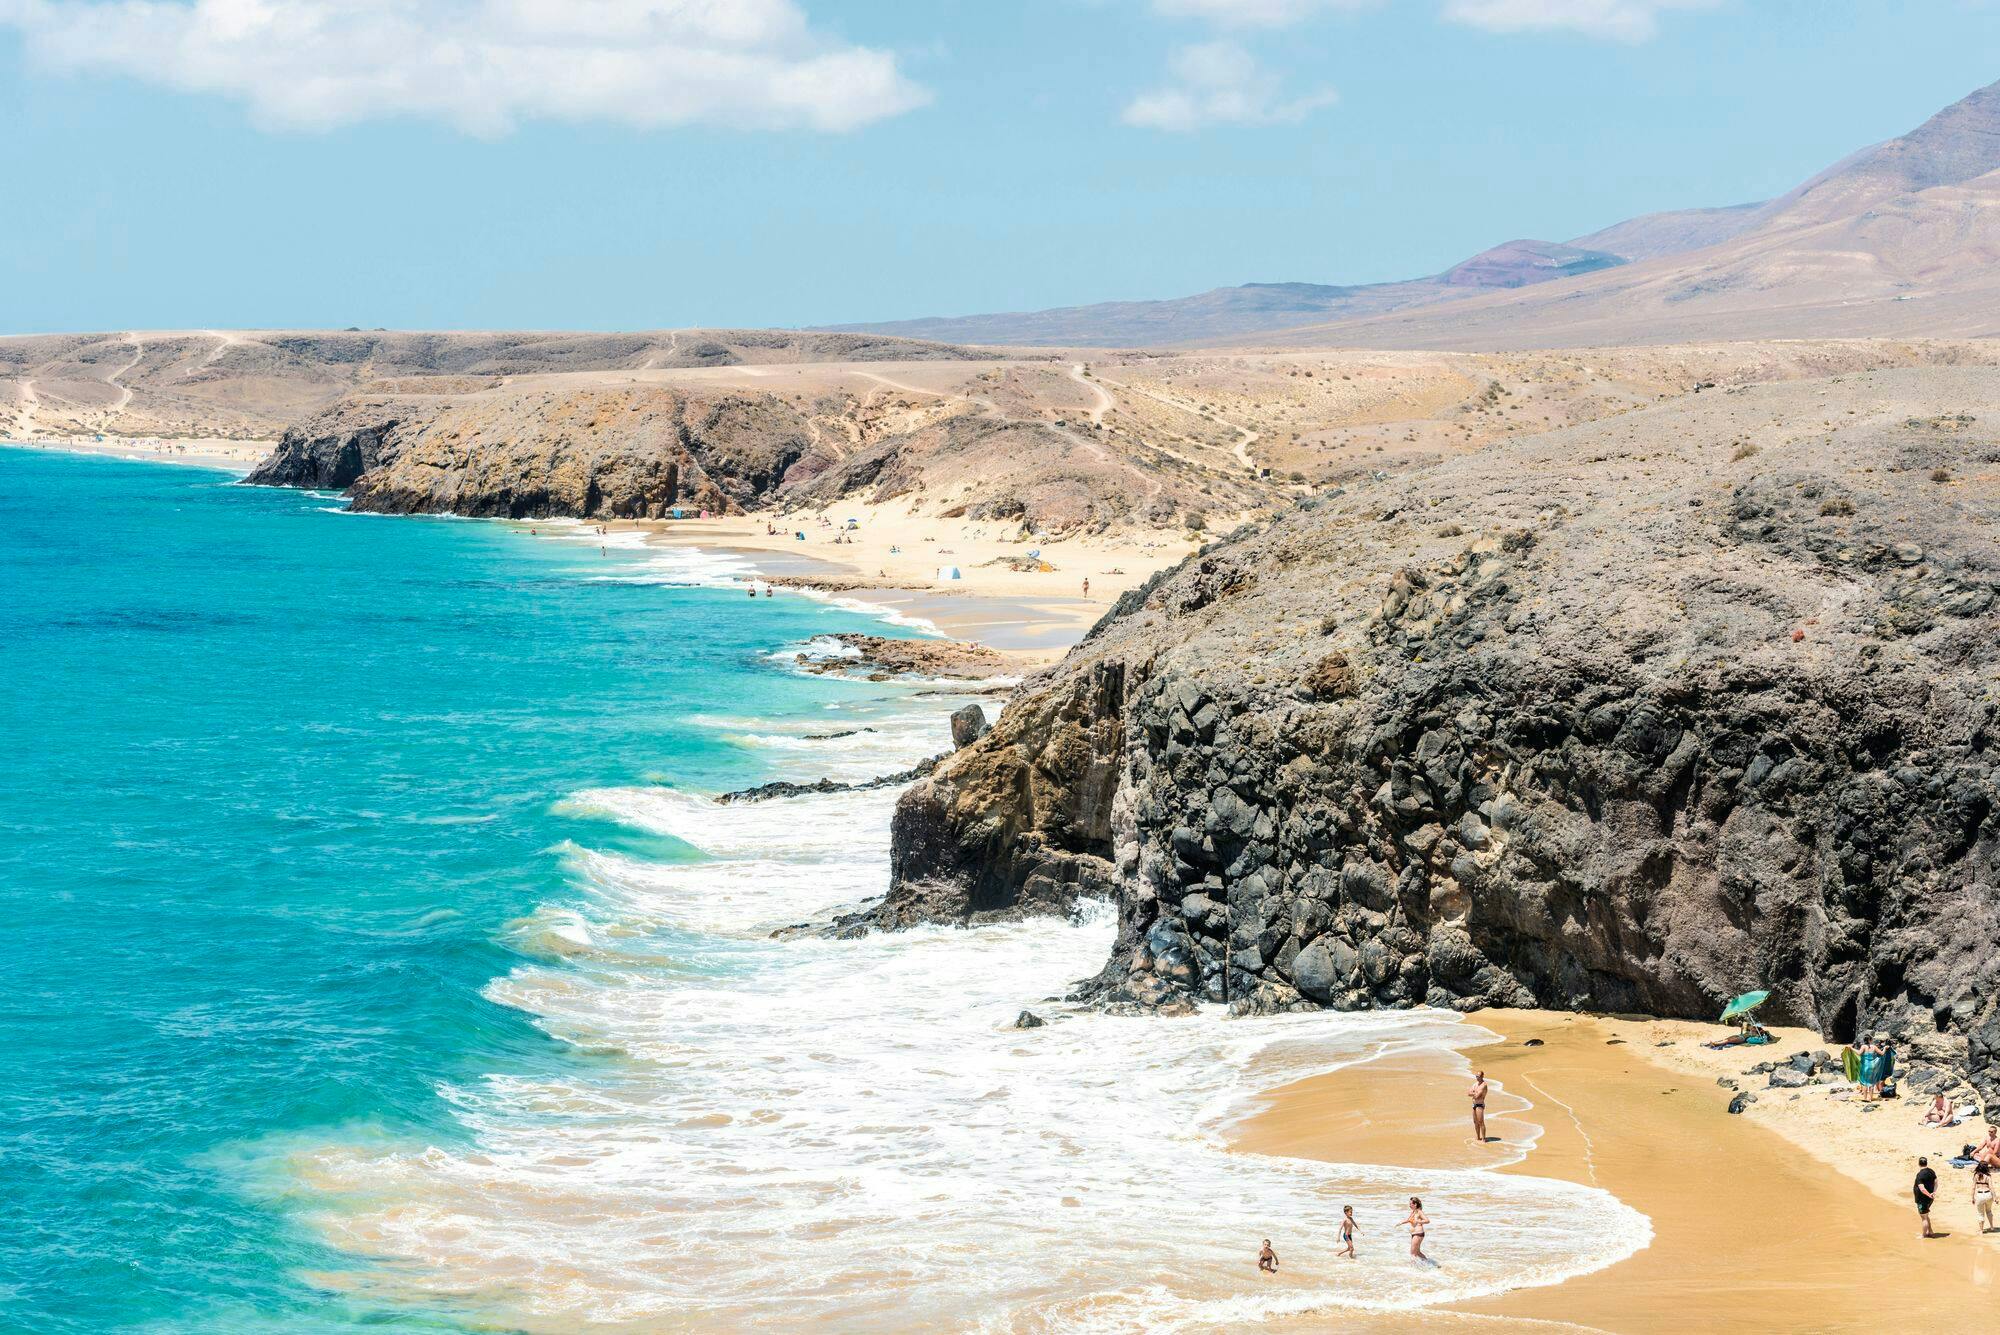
<point>880,658</point>
<point>1633,716</point>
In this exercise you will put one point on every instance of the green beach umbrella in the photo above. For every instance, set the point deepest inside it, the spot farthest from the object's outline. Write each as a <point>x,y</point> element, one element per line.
<point>1744,1004</point>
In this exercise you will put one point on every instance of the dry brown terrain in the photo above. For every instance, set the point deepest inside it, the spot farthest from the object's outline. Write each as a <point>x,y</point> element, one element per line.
<point>1051,443</point>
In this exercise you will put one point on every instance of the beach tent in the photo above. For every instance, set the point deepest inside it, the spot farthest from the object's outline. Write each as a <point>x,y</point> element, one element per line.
<point>947,572</point>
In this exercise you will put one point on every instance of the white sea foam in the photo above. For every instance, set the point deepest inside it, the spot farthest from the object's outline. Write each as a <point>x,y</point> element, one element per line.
<point>850,1134</point>
<point>868,607</point>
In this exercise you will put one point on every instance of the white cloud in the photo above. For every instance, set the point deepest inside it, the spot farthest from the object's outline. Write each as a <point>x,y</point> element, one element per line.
<point>1253,13</point>
<point>482,65</point>
<point>1619,20</point>
<point>1219,83</point>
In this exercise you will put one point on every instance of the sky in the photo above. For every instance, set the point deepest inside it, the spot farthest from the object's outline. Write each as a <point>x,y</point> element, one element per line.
<point>646,164</point>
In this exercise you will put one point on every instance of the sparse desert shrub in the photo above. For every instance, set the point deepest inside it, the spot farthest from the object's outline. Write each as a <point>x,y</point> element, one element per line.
<point>1940,475</point>
<point>1839,505</point>
<point>1744,450</point>
<point>1196,521</point>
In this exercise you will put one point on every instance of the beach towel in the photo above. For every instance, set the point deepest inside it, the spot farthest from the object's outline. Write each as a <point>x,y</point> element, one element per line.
<point>1850,1062</point>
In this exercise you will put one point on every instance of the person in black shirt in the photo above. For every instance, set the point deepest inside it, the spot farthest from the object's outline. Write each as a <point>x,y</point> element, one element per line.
<point>1925,1190</point>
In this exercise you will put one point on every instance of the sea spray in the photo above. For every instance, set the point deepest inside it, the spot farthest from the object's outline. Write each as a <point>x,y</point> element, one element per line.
<point>844,1133</point>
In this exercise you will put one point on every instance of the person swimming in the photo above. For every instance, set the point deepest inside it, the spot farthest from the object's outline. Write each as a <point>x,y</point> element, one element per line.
<point>1267,1260</point>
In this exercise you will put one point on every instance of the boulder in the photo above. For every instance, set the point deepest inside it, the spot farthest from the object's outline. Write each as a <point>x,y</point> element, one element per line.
<point>968,725</point>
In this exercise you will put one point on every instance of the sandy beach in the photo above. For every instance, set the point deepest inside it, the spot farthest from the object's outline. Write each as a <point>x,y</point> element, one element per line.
<point>1023,596</point>
<point>237,456</point>
<point>1793,1217</point>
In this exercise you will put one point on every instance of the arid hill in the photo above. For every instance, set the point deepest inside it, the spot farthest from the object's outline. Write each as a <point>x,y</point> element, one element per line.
<point>1632,715</point>
<point>248,384</point>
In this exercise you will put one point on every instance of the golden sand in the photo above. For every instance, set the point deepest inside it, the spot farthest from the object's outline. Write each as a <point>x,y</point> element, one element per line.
<point>1795,1217</point>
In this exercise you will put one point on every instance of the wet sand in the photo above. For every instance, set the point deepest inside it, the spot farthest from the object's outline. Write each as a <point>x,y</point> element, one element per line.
<point>1752,1232</point>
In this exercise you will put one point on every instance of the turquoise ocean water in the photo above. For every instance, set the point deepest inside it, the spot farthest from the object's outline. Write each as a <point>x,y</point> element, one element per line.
<point>273,783</point>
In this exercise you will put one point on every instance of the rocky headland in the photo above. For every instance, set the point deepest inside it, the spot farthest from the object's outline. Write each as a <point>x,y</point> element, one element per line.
<point>1630,716</point>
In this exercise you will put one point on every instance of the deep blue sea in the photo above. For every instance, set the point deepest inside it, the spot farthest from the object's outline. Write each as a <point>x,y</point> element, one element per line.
<point>377,955</point>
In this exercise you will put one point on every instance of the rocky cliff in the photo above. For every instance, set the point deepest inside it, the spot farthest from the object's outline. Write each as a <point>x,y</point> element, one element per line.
<point>626,453</point>
<point>1630,716</point>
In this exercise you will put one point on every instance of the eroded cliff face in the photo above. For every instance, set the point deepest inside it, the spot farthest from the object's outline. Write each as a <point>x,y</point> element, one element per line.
<point>1628,717</point>
<point>623,453</point>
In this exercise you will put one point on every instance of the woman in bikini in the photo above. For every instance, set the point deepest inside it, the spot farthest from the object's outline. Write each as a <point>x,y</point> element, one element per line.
<point>1416,1223</point>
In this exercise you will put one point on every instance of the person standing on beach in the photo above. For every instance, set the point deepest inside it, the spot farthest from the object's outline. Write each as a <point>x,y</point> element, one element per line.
<point>1418,1221</point>
<point>1348,1228</point>
<point>1982,1197</point>
<point>1925,1190</point>
<point>1478,1096</point>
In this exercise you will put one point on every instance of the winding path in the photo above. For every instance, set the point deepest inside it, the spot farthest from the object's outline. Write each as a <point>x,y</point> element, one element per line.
<point>1245,437</point>
<point>1105,403</point>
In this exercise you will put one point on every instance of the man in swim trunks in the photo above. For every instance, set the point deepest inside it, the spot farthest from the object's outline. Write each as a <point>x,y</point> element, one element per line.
<point>1478,1096</point>
<point>1348,1228</point>
<point>1925,1190</point>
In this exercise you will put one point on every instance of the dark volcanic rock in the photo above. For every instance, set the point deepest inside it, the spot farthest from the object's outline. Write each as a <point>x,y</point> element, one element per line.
<point>1615,719</point>
<point>968,725</point>
<point>764,792</point>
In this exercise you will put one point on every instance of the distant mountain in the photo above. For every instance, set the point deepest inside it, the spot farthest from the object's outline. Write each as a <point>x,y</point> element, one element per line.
<point>1252,308</point>
<point>1900,238</point>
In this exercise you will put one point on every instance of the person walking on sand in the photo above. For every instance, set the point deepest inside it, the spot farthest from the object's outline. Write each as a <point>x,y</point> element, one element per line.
<point>1267,1260</point>
<point>1925,1190</point>
<point>1086,586</point>
<point>1416,1222</point>
<point>1982,1197</point>
<point>1348,1228</point>
<point>1478,1096</point>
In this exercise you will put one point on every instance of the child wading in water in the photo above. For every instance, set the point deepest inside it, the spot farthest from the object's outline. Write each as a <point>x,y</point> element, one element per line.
<point>1416,1224</point>
<point>1347,1231</point>
<point>1267,1260</point>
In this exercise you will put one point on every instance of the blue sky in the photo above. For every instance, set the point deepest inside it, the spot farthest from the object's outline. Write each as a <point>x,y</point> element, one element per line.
<point>599,164</point>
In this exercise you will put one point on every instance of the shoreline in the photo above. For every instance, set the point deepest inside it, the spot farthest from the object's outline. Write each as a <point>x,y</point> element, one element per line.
<point>888,565</point>
<point>1766,1221</point>
<point>233,456</point>
<point>892,559</point>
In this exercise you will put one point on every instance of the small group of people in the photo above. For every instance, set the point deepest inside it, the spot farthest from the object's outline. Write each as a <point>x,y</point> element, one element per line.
<point>1416,1221</point>
<point>1984,1160</point>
